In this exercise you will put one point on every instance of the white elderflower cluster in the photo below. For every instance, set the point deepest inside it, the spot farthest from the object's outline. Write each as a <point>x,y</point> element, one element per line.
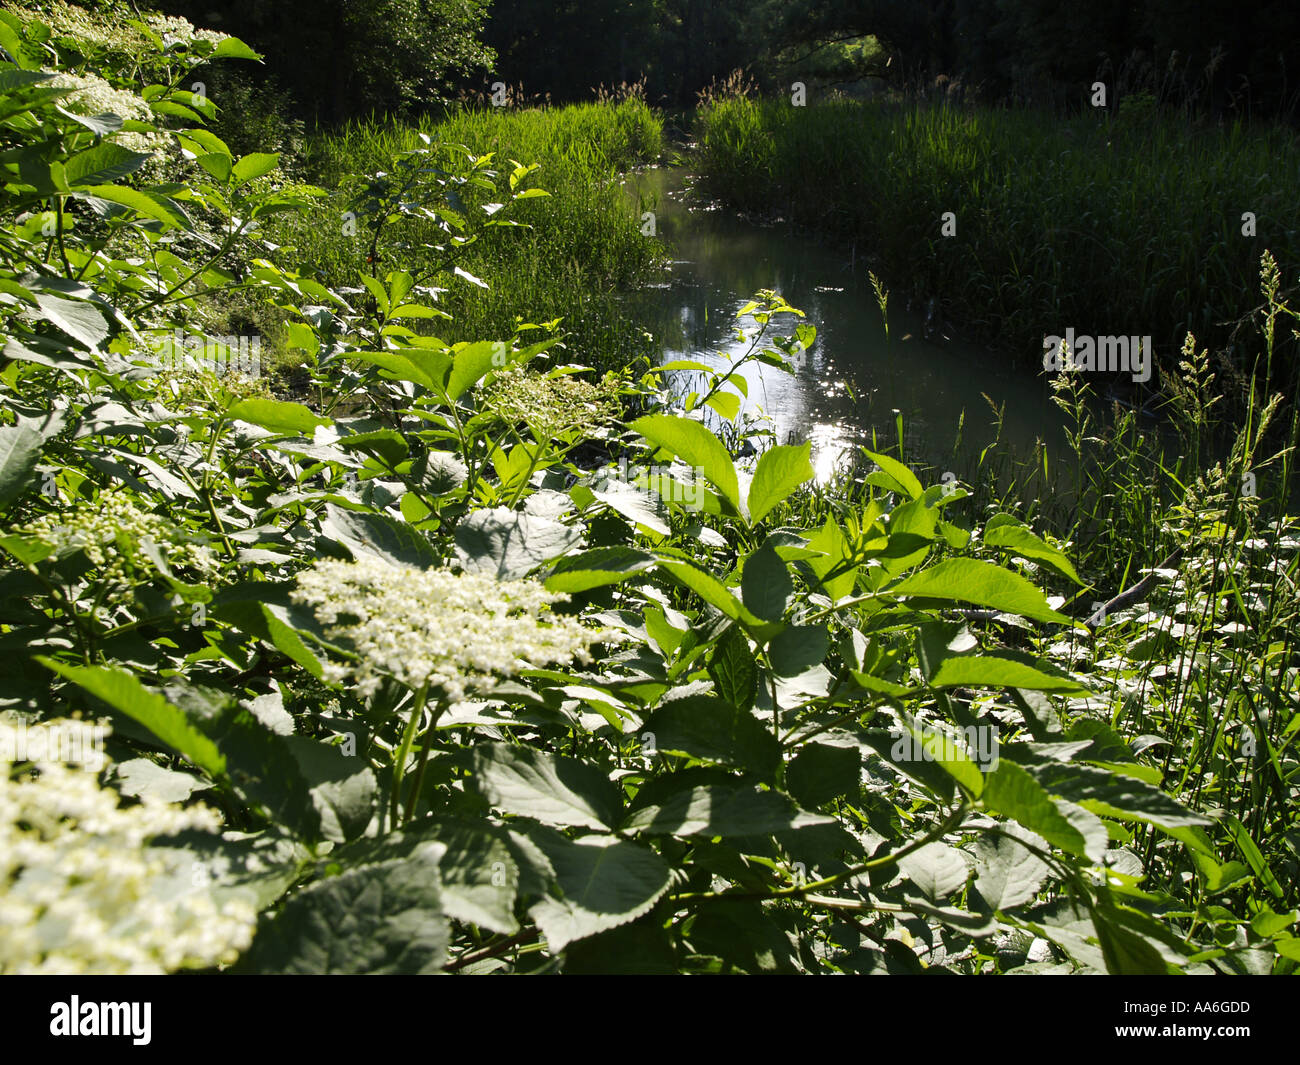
<point>71,21</point>
<point>111,530</point>
<point>456,632</point>
<point>82,892</point>
<point>95,96</point>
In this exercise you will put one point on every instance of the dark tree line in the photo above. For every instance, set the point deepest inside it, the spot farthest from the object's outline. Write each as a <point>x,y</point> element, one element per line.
<point>342,58</point>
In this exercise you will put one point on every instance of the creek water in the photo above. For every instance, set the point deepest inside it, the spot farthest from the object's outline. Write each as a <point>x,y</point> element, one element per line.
<point>855,380</point>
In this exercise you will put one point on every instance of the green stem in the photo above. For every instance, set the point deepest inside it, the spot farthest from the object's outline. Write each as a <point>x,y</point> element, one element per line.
<point>425,747</point>
<point>403,753</point>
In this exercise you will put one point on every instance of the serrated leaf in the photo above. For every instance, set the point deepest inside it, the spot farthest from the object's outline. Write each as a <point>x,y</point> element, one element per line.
<point>1002,530</point>
<point>1012,792</point>
<point>635,505</point>
<point>1008,874</point>
<point>937,869</point>
<point>821,772</point>
<point>20,449</point>
<point>103,164</point>
<point>968,580</point>
<point>511,544</point>
<point>695,445</point>
<point>733,670</point>
<point>124,693</point>
<point>145,203</point>
<point>278,415</point>
<point>711,729</point>
<point>897,476</point>
<point>545,787</point>
<point>597,568</point>
<point>80,320</point>
<point>254,166</point>
<point>765,584</point>
<point>722,810</point>
<point>798,649</point>
<point>384,918</point>
<point>138,777</point>
<point>233,48</point>
<point>1112,794</point>
<point>993,671</point>
<point>605,882</point>
<point>365,533</point>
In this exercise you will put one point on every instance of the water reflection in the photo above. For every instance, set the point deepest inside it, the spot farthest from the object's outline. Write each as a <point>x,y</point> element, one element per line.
<point>855,380</point>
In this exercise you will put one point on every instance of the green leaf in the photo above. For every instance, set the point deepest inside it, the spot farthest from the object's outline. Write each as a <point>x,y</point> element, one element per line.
<point>343,789</point>
<point>124,693</point>
<point>511,544</point>
<point>1126,951</point>
<point>696,446</point>
<point>254,166</point>
<point>937,869</point>
<point>797,649</point>
<point>710,589</point>
<point>641,948</point>
<point>385,918</point>
<point>635,505</point>
<point>1251,852</point>
<point>479,876</point>
<point>80,320</point>
<point>20,448</point>
<point>278,415</point>
<point>1116,795</point>
<point>387,445</point>
<point>711,729</point>
<point>1002,530</point>
<point>217,164</point>
<point>722,810</point>
<point>897,477</point>
<point>780,471</point>
<point>1008,874</point>
<point>748,937</point>
<point>545,787</point>
<point>992,671</point>
<point>968,580</point>
<point>604,883</point>
<point>472,362</point>
<point>233,48</point>
<point>726,404</point>
<point>733,669</point>
<point>821,772</point>
<point>143,776</point>
<point>596,568</point>
<point>830,540</point>
<point>146,203</point>
<point>765,584</point>
<point>377,534</point>
<point>1012,792</point>
<point>103,164</point>
<point>920,743</point>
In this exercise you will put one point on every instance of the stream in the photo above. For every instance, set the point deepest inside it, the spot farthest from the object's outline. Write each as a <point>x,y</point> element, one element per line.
<point>855,379</point>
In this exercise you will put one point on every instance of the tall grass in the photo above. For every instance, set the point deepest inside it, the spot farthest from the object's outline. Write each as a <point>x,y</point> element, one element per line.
<point>584,240</point>
<point>1123,226</point>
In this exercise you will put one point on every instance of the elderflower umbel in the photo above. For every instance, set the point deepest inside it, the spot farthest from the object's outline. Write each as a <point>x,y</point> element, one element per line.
<point>549,406</point>
<point>111,531</point>
<point>94,96</point>
<point>456,632</point>
<point>82,892</point>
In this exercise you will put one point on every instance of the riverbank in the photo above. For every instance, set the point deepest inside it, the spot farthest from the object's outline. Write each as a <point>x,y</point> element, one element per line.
<point>1020,225</point>
<point>578,243</point>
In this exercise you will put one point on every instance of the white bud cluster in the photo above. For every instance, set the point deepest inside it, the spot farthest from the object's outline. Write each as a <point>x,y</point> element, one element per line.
<point>111,529</point>
<point>95,96</point>
<point>82,892</point>
<point>456,632</point>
